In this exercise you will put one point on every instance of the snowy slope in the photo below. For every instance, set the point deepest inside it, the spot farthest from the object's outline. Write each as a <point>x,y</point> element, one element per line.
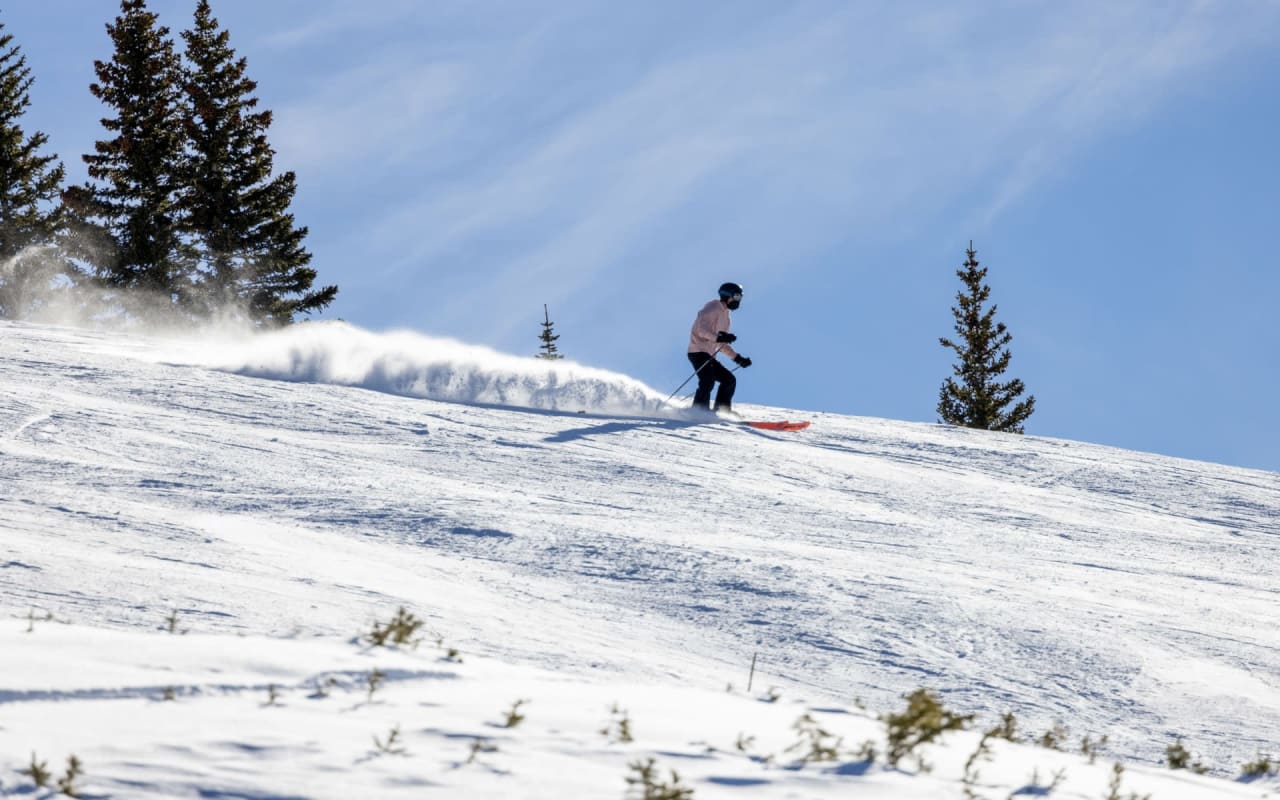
<point>283,492</point>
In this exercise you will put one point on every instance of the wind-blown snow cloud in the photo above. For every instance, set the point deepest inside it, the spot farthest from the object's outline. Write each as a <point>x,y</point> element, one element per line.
<point>414,365</point>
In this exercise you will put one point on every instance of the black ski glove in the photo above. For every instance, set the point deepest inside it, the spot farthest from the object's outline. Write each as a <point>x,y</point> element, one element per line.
<point>742,361</point>
<point>726,337</point>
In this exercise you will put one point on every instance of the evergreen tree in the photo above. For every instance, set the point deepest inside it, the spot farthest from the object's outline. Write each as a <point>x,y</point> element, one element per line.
<point>250,251</point>
<point>977,399</point>
<point>137,171</point>
<point>31,214</point>
<point>548,338</point>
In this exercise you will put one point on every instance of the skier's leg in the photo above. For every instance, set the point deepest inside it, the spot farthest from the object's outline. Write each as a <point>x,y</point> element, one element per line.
<point>728,383</point>
<point>702,396</point>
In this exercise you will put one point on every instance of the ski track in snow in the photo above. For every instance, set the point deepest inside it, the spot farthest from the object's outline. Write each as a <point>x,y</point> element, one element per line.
<point>1123,593</point>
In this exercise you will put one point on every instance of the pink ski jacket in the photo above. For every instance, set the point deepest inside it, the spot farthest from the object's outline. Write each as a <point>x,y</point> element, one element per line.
<point>713,318</point>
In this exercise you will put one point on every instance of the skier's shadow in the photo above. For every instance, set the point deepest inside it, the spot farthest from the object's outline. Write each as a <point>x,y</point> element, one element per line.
<point>576,434</point>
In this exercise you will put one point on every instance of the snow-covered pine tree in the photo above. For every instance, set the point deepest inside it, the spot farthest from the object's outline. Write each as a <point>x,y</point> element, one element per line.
<point>548,337</point>
<point>31,213</point>
<point>974,397</point>
<point>133,189</point>
<point>249,250</point>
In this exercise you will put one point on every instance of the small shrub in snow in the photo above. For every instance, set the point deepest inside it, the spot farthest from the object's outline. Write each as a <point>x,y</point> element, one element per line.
<point>67,783</point>
<point>401,630</point>
<point>480,745</point>
<point>981,753</point>
<point>1092,748</point>
<point>1113,788</point>
<point>513,716</point>
<point>1035,789</point>
<point>923,721</point>
<point>32,619</point>
<point>38,772</point>
<point>771,696</point>
<point>374,681</point>
<point>1055,737</point>
<point>744,742</point>
<point>391,745</point>
<point>171,623</point>
<point>1176,756</point>
<point>816,744</point>
<point>1007,729</point>
<point>644,783</point>
<point>323,687</point>
<point>618,731</point>
<point>273,696</point>
<point>170,694</point>
<point>1261,767</point>
<point>868,752</point>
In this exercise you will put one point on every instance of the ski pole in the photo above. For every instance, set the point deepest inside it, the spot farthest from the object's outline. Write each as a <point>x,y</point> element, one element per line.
<point>687,396</point>
<point>691,377</point>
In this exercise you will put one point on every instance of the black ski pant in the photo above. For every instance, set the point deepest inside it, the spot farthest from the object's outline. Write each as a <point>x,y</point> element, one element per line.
<point>711,372</point>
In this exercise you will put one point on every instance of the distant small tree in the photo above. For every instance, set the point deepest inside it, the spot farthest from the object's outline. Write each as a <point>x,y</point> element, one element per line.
<point>31,213</point>
<point>548,337</point>
<point>974,397</point>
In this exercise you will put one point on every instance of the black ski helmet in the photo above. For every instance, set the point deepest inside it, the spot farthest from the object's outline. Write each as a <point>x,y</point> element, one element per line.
<point>732,293</point>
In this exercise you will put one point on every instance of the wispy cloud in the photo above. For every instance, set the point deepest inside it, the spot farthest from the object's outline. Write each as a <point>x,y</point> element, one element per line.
<point>326,23</point>
<point>1107,73</point>
<point>564,150</point>
<point>370,115</point>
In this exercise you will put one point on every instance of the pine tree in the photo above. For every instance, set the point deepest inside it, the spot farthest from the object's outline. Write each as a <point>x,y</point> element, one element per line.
<point>250,251</point>
<point>548,338</point>
<point>978,399</point>
<point>137,171</point>
<point>31,213</point>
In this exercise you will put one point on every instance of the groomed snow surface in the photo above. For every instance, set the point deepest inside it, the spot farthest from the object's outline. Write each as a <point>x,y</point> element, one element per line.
<point>196,535</point>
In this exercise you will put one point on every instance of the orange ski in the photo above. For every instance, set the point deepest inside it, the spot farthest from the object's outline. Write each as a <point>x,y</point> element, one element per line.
<point>778,426</point>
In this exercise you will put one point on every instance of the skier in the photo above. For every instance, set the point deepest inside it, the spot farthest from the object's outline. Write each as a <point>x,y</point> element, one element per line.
<point>710,335</point>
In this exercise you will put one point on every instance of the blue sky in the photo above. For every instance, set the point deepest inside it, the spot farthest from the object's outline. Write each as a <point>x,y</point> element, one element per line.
<point>462,163</point>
